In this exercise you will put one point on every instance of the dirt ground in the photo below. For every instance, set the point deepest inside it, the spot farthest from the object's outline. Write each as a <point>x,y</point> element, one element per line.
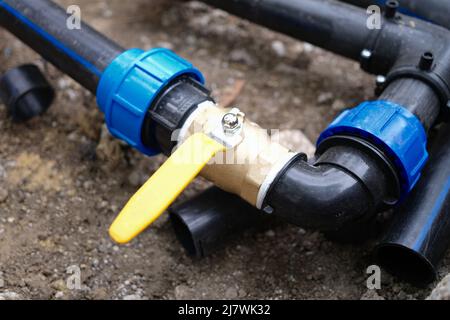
<point>63,179</point>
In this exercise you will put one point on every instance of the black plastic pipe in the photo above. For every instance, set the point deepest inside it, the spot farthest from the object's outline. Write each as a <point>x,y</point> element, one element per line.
<point>418,98</point>
<point>82,54</point>
<point>436,11</point>
<point>341,28</point>
<point>420,233</point>
<point>204,223</point>
<point>334,26</point>
<point>25,92</point>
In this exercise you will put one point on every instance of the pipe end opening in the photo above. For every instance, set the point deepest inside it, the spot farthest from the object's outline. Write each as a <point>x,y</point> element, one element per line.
<point>184,235</point>
<point>405,263</point>
<point>32,104</point>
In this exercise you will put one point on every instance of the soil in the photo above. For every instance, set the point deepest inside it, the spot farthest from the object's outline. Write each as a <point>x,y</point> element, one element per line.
<point>63,178</point>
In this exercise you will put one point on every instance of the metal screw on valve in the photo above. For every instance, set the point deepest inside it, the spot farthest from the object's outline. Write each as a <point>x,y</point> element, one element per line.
<point>230,123</point>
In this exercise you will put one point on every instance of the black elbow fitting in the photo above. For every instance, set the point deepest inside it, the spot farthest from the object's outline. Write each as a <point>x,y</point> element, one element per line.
<point>344,186</point>
<point>420,232</point>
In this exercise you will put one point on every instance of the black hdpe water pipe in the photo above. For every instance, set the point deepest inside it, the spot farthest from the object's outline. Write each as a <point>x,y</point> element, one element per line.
<point>25,92</point>
<point>436,11</point>
<point>420,232</point>
<point>354,175</point>
<point>83,54</point>
<point>204,223</point>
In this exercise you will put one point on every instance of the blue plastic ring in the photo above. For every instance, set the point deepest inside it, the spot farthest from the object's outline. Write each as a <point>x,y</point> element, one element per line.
<point>129,85</point>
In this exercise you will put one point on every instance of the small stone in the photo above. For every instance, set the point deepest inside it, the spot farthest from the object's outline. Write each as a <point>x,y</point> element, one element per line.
<point>3,195</point>
<point>9,295</point>
<point>132,297</point>
<point>88,184</point>
<point>308,245</point>
<point>270,233</point>
<point>442,290</point>
<point>308,47</point>
<point>107,13</point>
<point>242,293</point>
<point>102,204</point>
<point>7,52</point>
<point>295,140</point>
<point>59,285</point>
<point>165,44</point>
<point>73,136</point>
<point>325,98</point>
<point>231,293</point>
<point>183,292</point>
<point>59,295</point>
<point>242,56</point>
<point>2,170</point>
<point>338,105</point>
<point>63,83</point>
<point>134,179</point>
<point>279,48</point>
<point>72,94</point>
<point>371,295</point>
<point>396,288</point>
<point>99,294</point>
<point>191,40</point>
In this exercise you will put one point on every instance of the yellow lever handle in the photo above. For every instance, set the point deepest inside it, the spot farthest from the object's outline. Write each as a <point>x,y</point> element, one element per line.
<point>166,184</point>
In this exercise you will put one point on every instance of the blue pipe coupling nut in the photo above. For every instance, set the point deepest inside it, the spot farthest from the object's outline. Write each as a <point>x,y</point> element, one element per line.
<point>391,128</point>
<point>129,86</point>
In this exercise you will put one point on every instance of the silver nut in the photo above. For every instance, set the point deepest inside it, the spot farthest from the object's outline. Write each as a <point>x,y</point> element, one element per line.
<point>230,123</point>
